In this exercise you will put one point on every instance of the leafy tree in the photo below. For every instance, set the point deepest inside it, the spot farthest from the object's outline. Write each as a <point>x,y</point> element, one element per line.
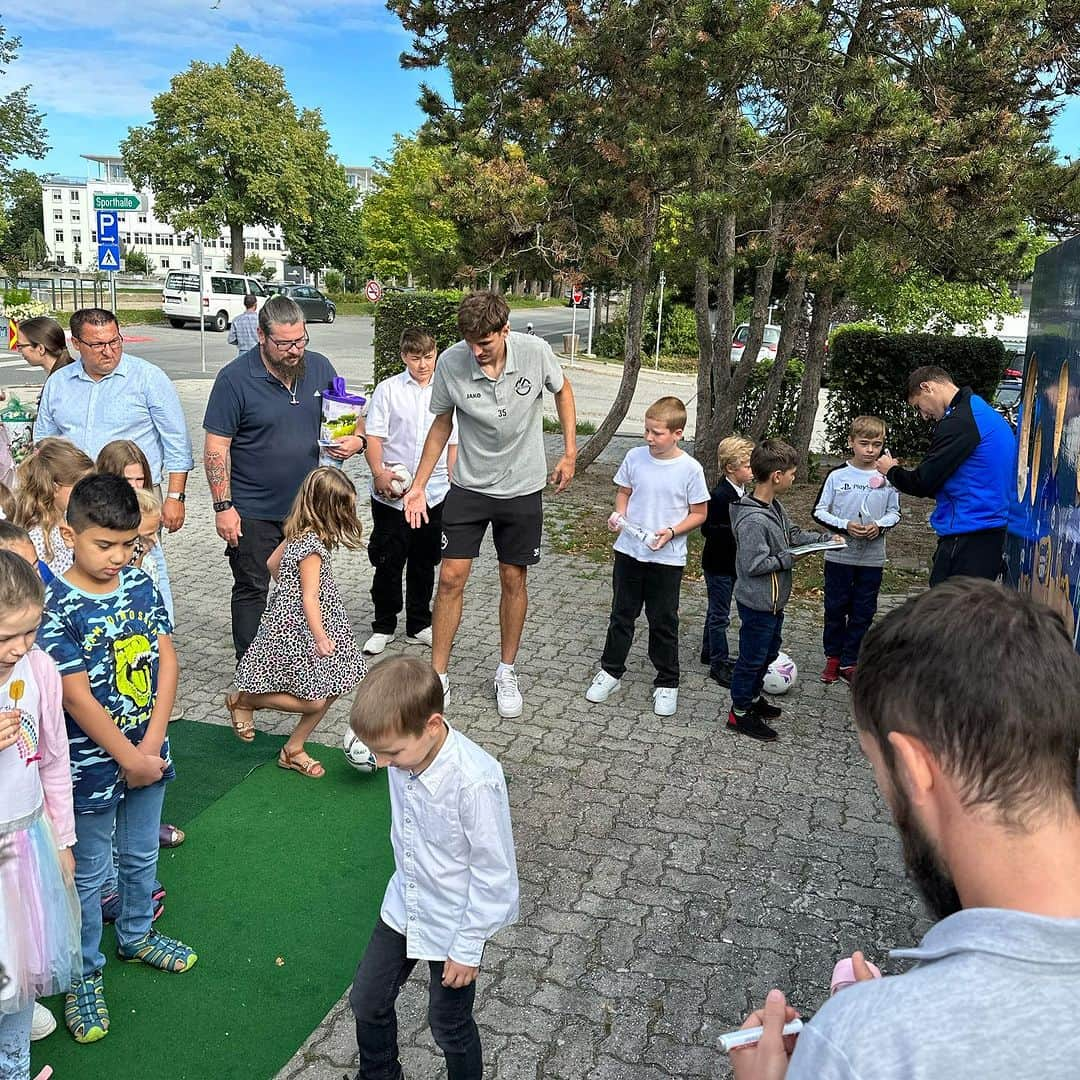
<point>257,266</point>
<point>137,262</point>
<point>23,215</point>
<point>22,130</point>
<point>33,249</point>
<point>228,146</point>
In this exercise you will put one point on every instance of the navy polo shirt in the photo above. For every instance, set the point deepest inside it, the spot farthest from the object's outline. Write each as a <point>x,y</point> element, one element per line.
<point>275,443</point>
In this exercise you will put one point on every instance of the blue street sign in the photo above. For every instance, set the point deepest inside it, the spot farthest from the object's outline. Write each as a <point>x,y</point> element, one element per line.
<point>108,257</point>
<point>108,227</point>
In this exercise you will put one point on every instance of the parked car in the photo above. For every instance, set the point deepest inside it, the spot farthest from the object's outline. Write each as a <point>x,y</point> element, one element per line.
<point>768,342</point>
<point>1007,396</point>
<point>222,297</point>
<point>315,306</point>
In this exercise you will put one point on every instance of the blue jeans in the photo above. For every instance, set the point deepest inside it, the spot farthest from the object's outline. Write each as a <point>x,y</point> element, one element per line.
<point>137,817</point>
<point>851,594</point>
<point>717,619</point>
<point>15,1044</point>
<point>760,633</point>
<point>379,978</point>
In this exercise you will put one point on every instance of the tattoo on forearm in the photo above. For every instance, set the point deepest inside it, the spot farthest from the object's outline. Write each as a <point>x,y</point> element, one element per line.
<point>217,474</point>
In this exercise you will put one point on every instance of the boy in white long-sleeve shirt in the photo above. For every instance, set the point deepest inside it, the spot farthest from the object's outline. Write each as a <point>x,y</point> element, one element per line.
<point>854,501</point>
<point>455,874</point>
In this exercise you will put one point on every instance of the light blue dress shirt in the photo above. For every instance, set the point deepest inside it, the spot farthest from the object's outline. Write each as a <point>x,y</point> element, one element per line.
<point>136,401</point>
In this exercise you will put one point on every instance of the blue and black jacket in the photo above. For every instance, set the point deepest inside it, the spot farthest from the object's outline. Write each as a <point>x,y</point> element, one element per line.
<point>967,469</point>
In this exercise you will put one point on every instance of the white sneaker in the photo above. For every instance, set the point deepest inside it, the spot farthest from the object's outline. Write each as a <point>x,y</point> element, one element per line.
<point>507,694</point>
<point>43,1023</point>
<point>665,700</point>
<point>422,637</point>
<point>376,643</point>
<point>445,680</point>
<point>602,687</point>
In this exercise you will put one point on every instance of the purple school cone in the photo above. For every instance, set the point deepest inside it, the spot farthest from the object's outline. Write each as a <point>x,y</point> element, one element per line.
<point>340,416</point>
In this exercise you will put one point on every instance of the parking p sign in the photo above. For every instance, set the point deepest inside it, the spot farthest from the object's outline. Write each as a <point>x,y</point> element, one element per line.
<point>108,235</point>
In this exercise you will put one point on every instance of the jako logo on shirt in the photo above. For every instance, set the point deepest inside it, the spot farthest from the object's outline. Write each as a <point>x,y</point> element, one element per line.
<point>470,397</point>
<point>523,386</point>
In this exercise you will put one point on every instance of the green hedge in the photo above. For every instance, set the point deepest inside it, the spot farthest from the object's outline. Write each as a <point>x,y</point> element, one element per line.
<point>869,371</point>
<point>782,422</point>
<point>435,312</point>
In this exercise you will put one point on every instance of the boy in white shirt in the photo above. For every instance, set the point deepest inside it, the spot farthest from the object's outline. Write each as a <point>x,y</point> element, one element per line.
<point>857,501</point>
<point>663,490</point>
<point>397,422</point>
<point>455,878</point>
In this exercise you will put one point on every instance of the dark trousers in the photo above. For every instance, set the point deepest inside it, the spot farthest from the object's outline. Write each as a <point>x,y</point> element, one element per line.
<point>973,554</point>
<point>379,978</point>
<point>251,579</point>
<point>714,646</point>
<point>655,587</point>
<point>851,594</point>
<point>395,547</point>
<point>760,633</point>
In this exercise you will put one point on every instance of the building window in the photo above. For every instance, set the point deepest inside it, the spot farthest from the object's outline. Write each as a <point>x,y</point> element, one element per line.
<point>185,264</point>
<point>93,236</point>
<point>57,195</point>
<point>76,236</point>
<point>74,195</point>
<point>142,219</point>
<point>58,236</point>
<point>142,238</point>
<point>75,215</point>
<point>125,238</point>
<point>163,239</point>
<point>164,260</point>
<point>58,215</point>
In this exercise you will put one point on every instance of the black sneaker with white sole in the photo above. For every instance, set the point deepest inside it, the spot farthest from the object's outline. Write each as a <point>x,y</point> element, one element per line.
<point>766,710</point>
<point>751,724</point>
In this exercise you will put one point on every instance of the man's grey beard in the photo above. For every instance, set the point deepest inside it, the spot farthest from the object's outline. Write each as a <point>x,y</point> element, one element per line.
<point>287,375</point>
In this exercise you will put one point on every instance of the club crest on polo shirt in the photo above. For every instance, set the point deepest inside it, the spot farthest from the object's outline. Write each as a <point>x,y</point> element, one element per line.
<point>523,386</point>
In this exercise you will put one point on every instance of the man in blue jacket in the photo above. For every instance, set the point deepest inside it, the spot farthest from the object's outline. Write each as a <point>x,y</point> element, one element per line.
<point>967,470</point>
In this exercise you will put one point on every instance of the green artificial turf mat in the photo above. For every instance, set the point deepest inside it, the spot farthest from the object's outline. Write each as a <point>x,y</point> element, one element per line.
<point>277,888</point>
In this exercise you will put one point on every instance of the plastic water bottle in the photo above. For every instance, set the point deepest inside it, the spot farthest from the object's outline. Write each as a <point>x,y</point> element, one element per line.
<point>623,524</point>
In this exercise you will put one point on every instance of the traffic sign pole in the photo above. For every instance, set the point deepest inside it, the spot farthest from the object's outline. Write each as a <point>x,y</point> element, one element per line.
<point>197,253</point>
<point>659,319</point>
<point>592,319</point>
<point>573,331</point>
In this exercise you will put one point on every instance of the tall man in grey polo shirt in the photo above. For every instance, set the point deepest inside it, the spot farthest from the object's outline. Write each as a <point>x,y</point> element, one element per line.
<point>262,438</point>
<point>494,381</point>
<point>966,705</point>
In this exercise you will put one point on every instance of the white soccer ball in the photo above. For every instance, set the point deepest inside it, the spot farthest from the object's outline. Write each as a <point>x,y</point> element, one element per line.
<point>781,675</point>
<point>357,754</point>
<point>401,482</point>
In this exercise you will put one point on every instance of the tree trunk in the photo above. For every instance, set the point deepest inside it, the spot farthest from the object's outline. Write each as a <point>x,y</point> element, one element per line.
<point>811,380</point>
<point>632,365</point>
<point>714,345</point>
<point>236,239</point>
<point>793,305</point>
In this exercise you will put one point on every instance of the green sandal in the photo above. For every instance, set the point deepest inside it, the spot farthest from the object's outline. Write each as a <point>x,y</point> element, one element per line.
<point>85,1011</point>
<point>159,951</point>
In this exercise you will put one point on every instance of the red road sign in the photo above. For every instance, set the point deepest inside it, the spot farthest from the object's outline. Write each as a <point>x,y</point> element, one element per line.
<point>578,295</point>
<point>373,291</point>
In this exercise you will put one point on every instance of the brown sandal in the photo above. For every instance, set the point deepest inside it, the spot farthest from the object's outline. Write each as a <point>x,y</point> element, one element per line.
<point>244,732</point>
<point>290,761</point>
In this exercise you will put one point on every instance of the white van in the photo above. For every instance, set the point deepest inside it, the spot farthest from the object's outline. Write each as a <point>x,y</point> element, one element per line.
<point>223,297</point>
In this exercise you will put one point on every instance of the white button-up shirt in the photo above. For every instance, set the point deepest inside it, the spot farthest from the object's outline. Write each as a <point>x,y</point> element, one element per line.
<point>455,881</point>
<point>400,414</point>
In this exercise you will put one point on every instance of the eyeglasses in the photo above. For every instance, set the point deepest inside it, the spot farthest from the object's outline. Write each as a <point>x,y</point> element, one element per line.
<point>288,346</point>
<point>27,345</point>
<point>103,346</point>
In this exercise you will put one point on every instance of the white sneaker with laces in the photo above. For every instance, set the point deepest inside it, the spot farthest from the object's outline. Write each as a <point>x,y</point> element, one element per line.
<point>43,1023</point>
<point>422,637</point>
<point>602,687</point>
<point>376,643</point>
<point>665,700</point>
<point>507,694</point>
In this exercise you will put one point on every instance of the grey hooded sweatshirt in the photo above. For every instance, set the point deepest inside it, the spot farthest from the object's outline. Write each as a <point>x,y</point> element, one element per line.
<point>763,536</point>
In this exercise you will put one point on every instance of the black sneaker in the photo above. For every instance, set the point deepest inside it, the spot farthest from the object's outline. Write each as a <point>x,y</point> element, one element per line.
<point>705,658</point>
<point>751,724</point>
<point>721,675</point>
<point>765,710</point>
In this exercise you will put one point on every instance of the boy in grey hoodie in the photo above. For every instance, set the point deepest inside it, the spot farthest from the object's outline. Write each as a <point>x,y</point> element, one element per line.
<point>764,535</point>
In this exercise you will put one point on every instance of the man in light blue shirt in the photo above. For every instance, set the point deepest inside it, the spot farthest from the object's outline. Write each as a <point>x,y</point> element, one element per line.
<point>244,331</point>
<point>110,394</point>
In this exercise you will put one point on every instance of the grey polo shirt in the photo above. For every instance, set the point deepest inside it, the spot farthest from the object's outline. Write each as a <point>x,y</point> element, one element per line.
<point>993,998</point>
<point>500,423</point>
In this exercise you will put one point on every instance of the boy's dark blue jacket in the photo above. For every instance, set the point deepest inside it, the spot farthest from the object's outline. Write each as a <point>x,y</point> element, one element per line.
<point>718,554</point>
<point>967,468</point>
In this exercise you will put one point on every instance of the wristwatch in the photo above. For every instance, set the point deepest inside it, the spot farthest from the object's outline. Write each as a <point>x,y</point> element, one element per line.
<point>179,496</point>
<point>225,504</point>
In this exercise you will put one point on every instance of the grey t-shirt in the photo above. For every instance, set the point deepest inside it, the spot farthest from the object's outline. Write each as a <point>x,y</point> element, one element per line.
<point>994,997</point>
<point>500,424</point>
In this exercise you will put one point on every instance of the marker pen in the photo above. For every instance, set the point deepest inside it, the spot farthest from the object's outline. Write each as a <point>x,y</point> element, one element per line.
<point>732,1040</point>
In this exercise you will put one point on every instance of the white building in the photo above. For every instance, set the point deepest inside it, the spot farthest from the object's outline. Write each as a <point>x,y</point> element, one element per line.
<point>360,179</point>
<point>71,235</point>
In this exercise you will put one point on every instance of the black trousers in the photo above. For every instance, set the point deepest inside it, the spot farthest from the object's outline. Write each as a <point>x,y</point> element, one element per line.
<point>395,547</point>
<point>376,985</point>
<point>851,594</point>
<point>655,587</point>
<point>973,554</point>
<point>251,579</point>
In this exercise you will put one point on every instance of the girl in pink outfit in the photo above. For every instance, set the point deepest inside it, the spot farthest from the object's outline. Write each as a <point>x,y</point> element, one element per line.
<point>39,908</point>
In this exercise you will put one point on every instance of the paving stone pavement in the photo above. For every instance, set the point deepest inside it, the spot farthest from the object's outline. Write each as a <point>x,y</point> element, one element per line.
<point>670,873</point>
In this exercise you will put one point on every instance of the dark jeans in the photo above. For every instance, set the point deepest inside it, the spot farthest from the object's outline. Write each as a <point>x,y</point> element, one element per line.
<point>851,594</point>
<point>395,547</point>
<point>717,618</point>
<point>251,579</point>
<point>759,645</point>
<point>973,554</point>
<point>655,587</point>
<point>379,978</point>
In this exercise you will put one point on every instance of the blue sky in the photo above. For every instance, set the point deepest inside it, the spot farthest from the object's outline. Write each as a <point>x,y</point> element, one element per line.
<point>94,82</point>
